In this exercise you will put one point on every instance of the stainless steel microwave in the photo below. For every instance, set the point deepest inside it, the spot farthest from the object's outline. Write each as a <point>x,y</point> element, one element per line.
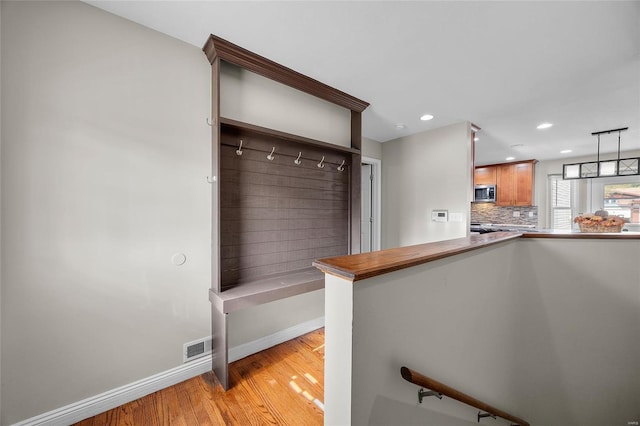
<point>485,194</point>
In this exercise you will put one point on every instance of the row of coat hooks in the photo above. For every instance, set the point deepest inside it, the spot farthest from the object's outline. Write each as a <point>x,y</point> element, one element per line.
<point>297,161</point>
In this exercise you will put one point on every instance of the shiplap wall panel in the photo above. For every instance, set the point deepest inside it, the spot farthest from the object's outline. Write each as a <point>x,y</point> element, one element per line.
<point>276,216</point>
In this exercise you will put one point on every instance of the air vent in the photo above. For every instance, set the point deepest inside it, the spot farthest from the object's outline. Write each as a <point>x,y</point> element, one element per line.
<point>196,349</point>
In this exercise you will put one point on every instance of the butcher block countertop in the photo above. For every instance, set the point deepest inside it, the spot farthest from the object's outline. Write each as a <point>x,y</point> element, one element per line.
<point>367,265</point>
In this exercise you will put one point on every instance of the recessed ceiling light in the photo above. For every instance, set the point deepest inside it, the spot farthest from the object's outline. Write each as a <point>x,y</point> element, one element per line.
<point>476,139</point>
<point>400,126</point>
<point>544,125</point>
<point>565,151</point>
<point>510,158</point>
<point>426,117</point>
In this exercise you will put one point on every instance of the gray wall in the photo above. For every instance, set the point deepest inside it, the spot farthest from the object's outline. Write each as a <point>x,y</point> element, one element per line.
<point>421,173</point>
<point>540,333</point>
<point>371,148</point>
<point>251,98</point>
<point>105,151</point>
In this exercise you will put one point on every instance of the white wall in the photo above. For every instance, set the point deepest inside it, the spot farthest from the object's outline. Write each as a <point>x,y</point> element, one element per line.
<point>539,332</point>
<point>424,172</point>
<point>251,98</point>
<point>585,188</point>
<point>105,151</point>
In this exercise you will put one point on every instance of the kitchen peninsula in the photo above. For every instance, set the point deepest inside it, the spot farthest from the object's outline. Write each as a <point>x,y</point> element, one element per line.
<point>530,322</point>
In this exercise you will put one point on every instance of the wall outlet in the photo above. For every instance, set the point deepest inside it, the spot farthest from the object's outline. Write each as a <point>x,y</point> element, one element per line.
<point>530,214</point>
<point>516,214</point>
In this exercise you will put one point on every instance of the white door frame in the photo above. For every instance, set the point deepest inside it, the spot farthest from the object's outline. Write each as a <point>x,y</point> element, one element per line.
<point>376,193</point>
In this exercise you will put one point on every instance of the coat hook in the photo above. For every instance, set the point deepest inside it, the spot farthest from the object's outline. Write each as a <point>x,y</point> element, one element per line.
<point>341,166</point>
<point>211,179</point>
<point>321,163</point>
<point>297,160</point>
<point>270,157</point>
<point>239,150</point>
<point>209,122</point>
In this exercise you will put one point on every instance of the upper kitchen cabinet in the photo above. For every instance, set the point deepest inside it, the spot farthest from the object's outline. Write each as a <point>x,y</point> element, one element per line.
<point>514,183</point>
<point>485,175</point>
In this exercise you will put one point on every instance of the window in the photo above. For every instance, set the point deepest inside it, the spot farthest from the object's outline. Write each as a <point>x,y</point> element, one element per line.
<point>623,199</point>
<point>561,202</point>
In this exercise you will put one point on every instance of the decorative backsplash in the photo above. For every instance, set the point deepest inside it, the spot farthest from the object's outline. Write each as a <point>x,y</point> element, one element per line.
<point>490,213</point>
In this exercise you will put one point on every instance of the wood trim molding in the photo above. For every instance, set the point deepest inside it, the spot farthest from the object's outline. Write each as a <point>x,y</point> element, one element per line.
<point>216,47</point>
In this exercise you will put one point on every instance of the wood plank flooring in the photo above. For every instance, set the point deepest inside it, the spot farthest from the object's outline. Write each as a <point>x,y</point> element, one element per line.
<point>283,385</point>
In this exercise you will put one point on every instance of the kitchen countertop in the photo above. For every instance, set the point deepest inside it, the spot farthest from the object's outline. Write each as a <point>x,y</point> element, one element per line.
<point>366,265</point>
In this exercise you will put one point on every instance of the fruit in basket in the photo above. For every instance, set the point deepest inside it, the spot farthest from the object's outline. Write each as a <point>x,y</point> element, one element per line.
<point>598,223</point>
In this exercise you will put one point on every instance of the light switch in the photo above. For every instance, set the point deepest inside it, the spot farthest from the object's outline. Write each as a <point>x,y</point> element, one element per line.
<point>456,217</point>
<point>516,214</point>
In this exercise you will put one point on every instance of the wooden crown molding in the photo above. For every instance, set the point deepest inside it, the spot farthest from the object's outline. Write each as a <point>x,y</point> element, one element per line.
<point>216,47</point>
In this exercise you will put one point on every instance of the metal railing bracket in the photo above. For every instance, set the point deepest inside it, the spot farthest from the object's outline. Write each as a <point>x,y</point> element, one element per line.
<point>482,415</point>
<point>425,393</point>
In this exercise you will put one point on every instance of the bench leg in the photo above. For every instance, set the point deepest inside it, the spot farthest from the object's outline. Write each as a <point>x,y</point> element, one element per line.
<point>220,352</point>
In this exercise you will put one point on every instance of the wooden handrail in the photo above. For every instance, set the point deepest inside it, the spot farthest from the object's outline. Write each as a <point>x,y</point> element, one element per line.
<point>434,385</point>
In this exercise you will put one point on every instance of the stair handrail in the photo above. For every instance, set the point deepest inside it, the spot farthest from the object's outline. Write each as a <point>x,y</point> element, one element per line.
<point>440,388</point>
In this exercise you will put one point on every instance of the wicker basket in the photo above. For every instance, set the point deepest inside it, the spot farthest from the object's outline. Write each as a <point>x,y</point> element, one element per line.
<point>600,228</point>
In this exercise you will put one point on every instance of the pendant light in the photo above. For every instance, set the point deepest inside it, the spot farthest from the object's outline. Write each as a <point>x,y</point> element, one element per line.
<point>606,168</point>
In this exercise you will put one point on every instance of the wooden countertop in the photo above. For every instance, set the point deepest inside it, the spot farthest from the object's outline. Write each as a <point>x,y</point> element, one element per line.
<point>367,265</point>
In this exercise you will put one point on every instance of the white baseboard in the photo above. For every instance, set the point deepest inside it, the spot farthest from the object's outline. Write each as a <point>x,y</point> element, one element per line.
<point>92,406</point>
<point>242,351</point>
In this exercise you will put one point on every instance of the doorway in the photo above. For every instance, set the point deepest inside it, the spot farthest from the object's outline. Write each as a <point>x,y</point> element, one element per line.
<point>371,207</point>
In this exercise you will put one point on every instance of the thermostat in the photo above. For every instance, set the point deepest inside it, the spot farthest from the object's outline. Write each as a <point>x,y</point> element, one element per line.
<point>439,216</point>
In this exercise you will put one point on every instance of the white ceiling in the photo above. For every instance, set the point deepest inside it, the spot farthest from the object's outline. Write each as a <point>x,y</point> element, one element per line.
<point>505,66</point>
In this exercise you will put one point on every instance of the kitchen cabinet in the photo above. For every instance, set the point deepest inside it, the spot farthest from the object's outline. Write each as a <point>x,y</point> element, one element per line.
<point>514,183</point>
<point>485,175</point>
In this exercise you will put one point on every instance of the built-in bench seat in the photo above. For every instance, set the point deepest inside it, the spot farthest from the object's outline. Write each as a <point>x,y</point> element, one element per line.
<point>264,290</point>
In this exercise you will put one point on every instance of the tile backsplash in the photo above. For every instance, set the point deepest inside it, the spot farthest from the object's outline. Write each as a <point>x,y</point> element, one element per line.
<point>490,213</point>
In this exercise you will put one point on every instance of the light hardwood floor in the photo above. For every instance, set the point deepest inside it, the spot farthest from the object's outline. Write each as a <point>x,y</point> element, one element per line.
<point>283,385</point>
